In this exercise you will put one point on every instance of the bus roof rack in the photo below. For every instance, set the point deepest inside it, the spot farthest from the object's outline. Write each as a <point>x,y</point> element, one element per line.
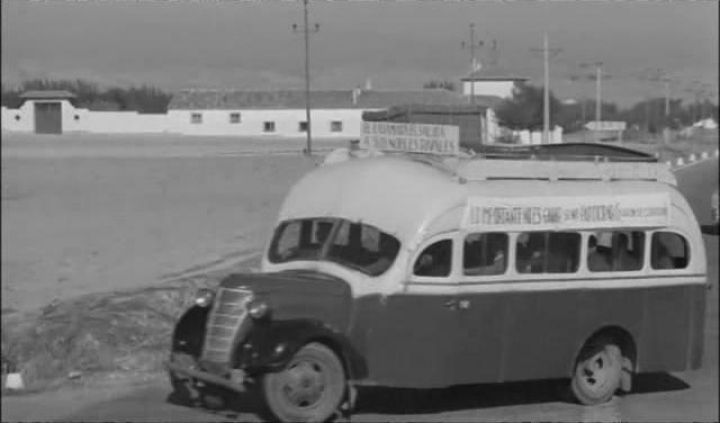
<point>564,152</point>
<point>552,162</point>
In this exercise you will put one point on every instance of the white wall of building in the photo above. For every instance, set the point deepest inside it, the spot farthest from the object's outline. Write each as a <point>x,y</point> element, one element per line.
<point>502,89</point>
<point>84,120</point>
<point>118,122</point>
<point>23,119</point>
<point>252,122</point>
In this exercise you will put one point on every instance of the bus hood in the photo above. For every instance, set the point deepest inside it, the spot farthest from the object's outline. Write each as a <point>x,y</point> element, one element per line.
<point>298,294</point>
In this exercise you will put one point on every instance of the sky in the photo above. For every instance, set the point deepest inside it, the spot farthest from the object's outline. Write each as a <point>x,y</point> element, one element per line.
<point>396,45</point>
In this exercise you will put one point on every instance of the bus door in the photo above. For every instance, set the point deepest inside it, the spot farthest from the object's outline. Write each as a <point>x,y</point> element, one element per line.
<point>415,344</point>
<point>483,263</point>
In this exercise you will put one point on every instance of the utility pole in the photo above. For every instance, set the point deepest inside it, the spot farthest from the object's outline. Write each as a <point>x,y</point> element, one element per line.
<point>667,98</point>
<point>546,89</point>
<point>598,96</point>
<point>472,46</point>
<point>307,30</point>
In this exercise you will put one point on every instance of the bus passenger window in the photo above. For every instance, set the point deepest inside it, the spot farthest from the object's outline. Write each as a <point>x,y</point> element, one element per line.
<point>485,254</point>
<point>614,251</point>
<point>435,260</point>
<point>669,251</point>
<point>530,252</point>
<point>548,252</point>
<point>563,254</point>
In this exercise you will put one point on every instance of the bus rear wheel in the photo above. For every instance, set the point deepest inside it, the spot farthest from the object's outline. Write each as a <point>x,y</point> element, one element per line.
<point>309,389</point>
<point>598,372</point>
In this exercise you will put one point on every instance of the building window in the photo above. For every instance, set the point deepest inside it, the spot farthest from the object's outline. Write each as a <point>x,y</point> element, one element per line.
<point>302,126</point>
<point>235,117</point>
<point>76,117</point>
<point>269,126</point>
<point>17,117</point>
<point>196,118</point>
<point>336,126</point>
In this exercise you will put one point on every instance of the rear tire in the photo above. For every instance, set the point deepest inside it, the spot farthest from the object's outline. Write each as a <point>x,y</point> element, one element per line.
<point>309,389</point>
<point>598,372</point>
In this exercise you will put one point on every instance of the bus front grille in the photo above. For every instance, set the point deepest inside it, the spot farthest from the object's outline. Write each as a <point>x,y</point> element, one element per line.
<point>224,324</point>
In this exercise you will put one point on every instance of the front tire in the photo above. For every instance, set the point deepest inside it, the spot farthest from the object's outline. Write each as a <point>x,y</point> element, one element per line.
<point>598,372</point>
<point>309,389</point>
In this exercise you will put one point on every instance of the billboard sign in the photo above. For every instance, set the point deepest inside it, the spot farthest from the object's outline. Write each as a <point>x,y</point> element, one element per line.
<point>411,138</point>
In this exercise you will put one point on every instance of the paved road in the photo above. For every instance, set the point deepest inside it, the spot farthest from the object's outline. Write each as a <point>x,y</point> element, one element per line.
<point>685,396</point>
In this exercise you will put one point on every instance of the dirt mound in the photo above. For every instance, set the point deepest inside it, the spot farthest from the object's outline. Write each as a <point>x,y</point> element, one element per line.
<point>127,331</point>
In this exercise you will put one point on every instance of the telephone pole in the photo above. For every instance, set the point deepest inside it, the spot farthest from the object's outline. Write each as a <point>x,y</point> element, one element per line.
<point>598,96</point>
<point>546,89</point>
<point>306,31</point>
<point>473,67</point>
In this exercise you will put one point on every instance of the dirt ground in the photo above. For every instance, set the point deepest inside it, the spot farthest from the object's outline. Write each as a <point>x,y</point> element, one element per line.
<point>88,213</point>
<point>83,214</point>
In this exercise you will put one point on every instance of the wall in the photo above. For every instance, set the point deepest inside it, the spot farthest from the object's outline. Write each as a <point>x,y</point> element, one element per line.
<point>84,120</point>
<point>217,122</point>
<point>26,113</point>
<point>502,89</point>
<point>118,122</point>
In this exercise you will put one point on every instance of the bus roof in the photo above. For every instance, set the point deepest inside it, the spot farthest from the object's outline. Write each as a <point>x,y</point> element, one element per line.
<point>411,197</point>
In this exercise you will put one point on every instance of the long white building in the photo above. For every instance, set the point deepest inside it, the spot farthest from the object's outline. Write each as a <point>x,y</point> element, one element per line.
<point>335,114</point>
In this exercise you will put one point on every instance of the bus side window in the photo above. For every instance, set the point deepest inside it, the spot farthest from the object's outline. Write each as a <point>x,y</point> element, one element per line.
<point>669,251</point>
<point>435,260</point>
<point>485,254</point>
<point>615,251</point>
<point>531,248</point>
<point>548,252</point>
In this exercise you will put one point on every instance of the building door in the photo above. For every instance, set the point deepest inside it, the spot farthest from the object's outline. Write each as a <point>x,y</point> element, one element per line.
<point>48,118</point>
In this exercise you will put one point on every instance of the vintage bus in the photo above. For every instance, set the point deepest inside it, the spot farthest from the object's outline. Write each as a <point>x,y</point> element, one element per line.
<point>411,270</point>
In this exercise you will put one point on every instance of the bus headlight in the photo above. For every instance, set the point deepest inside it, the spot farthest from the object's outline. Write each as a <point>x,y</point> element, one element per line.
<point>204,297</point>
<point>258,309</point>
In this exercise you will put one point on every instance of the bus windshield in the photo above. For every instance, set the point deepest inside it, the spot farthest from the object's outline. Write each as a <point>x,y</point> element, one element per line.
<point>357,246</point>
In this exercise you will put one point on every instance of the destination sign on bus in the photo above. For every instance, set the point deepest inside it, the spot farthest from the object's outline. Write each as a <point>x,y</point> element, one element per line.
<point>525,213</point>
<point>411,137</point>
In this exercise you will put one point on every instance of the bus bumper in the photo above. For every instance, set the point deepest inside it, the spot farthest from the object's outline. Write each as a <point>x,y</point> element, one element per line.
<point>236,382</point>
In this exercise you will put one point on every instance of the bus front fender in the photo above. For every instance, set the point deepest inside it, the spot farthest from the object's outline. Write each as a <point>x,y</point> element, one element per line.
<point>271,345</point>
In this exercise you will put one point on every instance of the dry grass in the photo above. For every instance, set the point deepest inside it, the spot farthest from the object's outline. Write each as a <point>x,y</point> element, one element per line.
<point>127,331</point>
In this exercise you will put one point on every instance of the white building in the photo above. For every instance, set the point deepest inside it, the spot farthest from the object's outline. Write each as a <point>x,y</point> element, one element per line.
<point>334,114</point>
<point>491,81</point>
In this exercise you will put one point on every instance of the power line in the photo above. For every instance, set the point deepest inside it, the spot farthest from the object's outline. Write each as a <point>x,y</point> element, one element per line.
<point>306,30</point>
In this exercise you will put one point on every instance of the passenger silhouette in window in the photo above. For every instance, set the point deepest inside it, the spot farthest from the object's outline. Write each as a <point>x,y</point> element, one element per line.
<point>435,260</point>
<point>485,254</point>
<point>597,260</point>
<point>530,254</point>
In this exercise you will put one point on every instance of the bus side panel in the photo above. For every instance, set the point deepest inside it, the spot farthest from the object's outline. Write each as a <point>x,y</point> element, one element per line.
<point>541,330</point>
<point>545,330</point>
<point>479,356</point>
<point>409,340</point>
<point>697,342</point>
<point>667,325</point>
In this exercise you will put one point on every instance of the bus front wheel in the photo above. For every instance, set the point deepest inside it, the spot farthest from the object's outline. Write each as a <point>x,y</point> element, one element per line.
<point>309,389</point>
<point>598,372</point>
